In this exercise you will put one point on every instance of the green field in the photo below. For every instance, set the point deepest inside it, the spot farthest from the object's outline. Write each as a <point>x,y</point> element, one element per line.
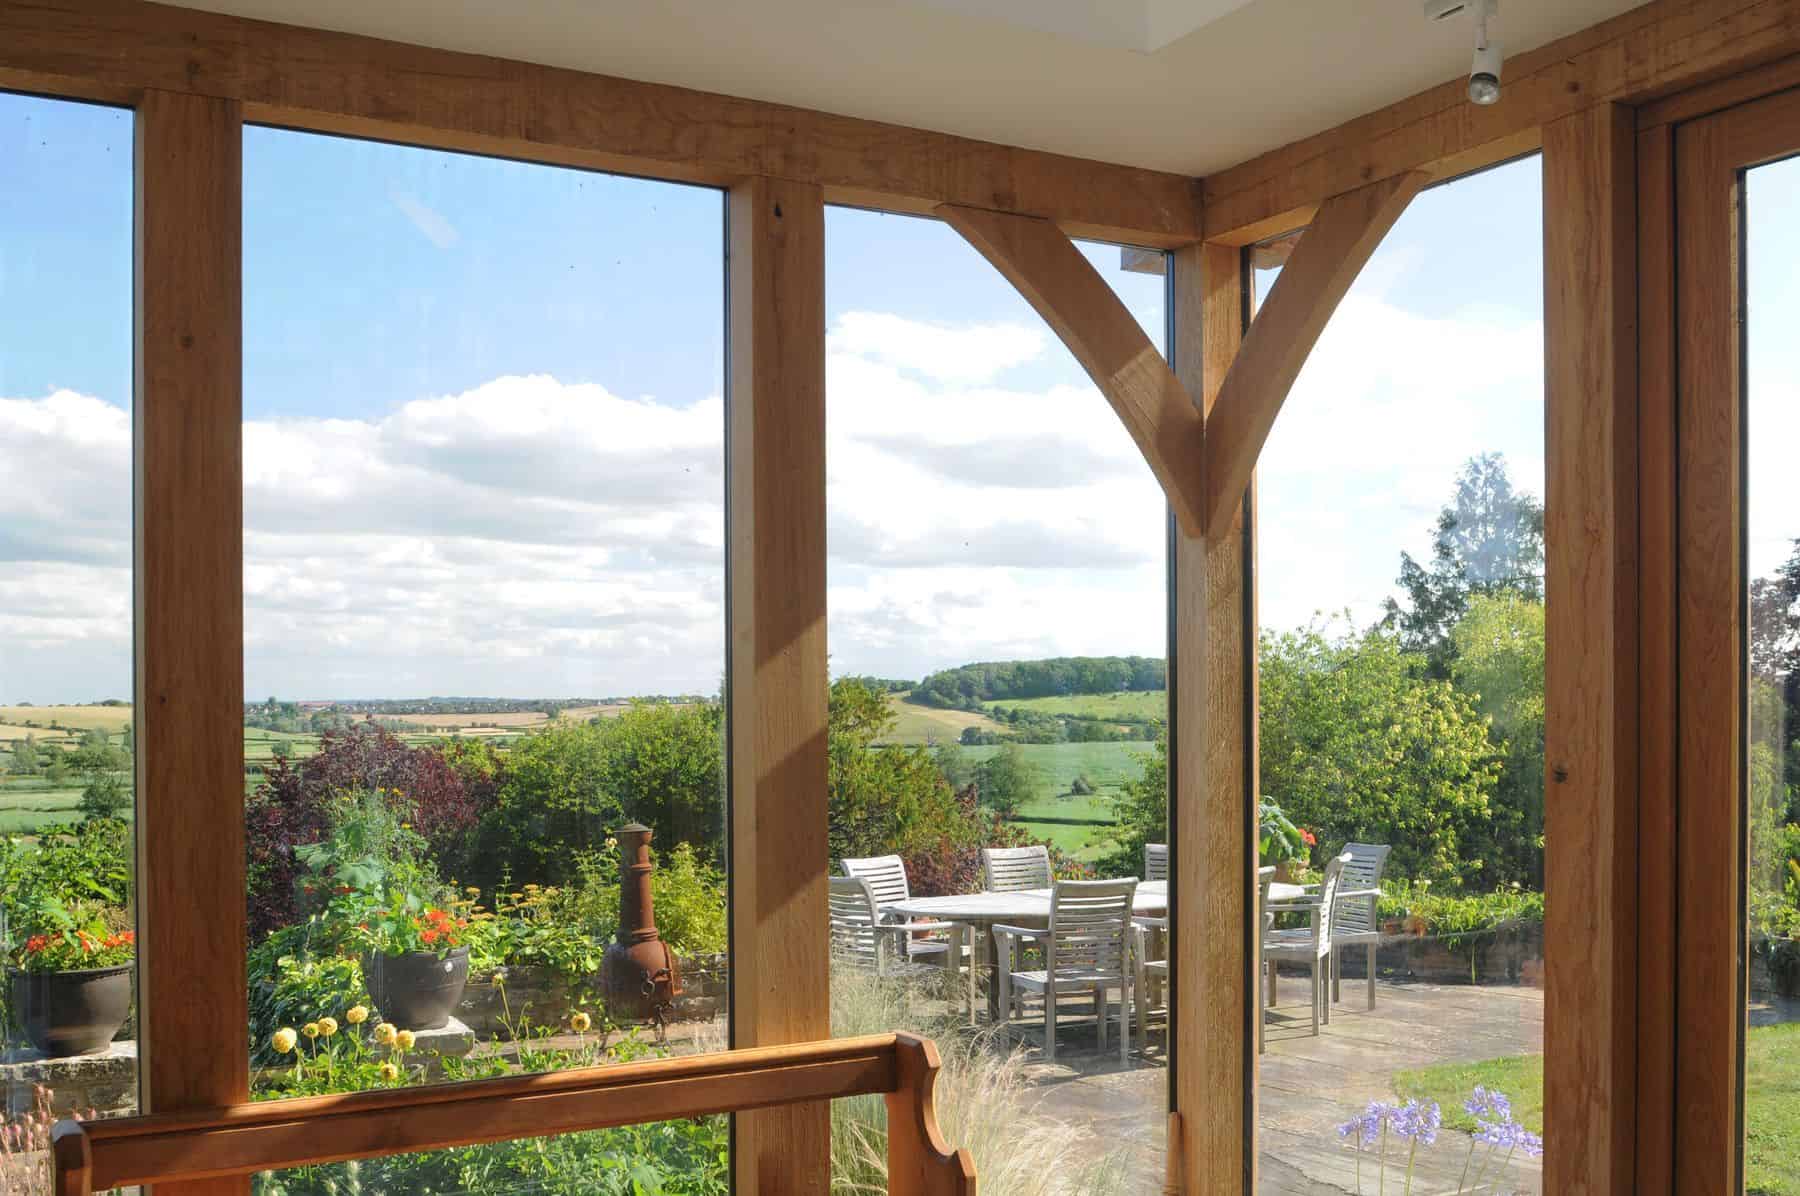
<point>1133,705</point>
<point>1082,825</point>
<point>30,804</point>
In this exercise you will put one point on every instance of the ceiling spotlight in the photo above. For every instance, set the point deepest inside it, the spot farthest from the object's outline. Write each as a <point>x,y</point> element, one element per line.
<point>1484,73</point>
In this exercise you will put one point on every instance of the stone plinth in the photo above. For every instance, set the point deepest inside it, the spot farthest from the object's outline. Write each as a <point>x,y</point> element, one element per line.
<point>106,1081</point>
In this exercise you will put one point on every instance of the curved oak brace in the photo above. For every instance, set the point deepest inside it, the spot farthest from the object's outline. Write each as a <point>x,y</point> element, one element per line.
<point>1327,259</point>
<point>919,1160</point>
<point>1104,336</point>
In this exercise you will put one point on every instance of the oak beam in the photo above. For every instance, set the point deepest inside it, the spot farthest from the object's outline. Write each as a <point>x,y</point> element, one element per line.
<point>780,930</point>
<point>1212,776</point>
<point>1064,288</point>
<point>1318,273</point>
<point>362,86</point>
<point>1647,53</point>
<point>193,1001</point>
<point>1591,652</point>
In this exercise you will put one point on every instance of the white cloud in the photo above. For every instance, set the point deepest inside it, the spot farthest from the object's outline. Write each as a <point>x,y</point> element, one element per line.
<point>531,537</point>
<point>959,353</point>
<point>1367,448</point>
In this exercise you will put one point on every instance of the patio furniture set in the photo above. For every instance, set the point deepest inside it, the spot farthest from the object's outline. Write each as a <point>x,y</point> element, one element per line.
<point>1089,939</point>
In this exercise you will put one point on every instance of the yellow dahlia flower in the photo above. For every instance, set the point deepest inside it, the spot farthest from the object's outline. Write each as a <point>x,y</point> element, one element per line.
<point>582,1023</point>
<point>328,1026</point>
<point>356,1015</point>
<point>404,1040</point>
<point>389,1072</point>
<point>384,1033</point>
<point>310,1029</point>
<point>283,1040</point>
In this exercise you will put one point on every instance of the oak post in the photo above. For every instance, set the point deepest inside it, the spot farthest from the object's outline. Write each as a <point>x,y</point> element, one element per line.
<point>1211,778</point>
<point>780,983</point>
<point>1591,651</point>
<point>189,600</point>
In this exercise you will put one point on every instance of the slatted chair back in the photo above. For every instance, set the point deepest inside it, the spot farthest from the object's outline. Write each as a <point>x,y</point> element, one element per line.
<point>1156,861</point>
<point>886,875</point>
<point>1008,869</point>
<point>853,919</point>
<point>1357,915</point>
<point>1089,924</point>
<point>1328,891</point>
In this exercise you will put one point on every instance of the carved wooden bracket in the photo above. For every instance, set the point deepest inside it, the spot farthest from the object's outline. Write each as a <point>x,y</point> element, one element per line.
<point>1065,289</point>
<point>1327,259</point>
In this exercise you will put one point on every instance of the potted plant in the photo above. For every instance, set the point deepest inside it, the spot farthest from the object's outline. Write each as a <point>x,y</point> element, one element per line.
<point>415,962</point>
<point>71,979</point>
<point>1280,842</point>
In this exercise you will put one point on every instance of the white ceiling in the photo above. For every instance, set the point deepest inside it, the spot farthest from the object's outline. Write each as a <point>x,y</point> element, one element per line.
<point>1073,76</point>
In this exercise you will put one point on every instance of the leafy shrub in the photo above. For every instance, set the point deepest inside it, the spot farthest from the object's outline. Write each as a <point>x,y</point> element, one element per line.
<point>292,808</point>
<point>1081,786</point>
<point>568,786</point>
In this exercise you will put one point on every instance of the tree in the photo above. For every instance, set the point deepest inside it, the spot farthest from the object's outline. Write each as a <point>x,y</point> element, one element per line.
<point>954,763</point>
<point>1489,540</point>
<point>1006,780</point>
<point>105,797</point>
<point>25,756</point>
<point>882,800</point>
<point>1499,663</point>
<point>1356,746</point>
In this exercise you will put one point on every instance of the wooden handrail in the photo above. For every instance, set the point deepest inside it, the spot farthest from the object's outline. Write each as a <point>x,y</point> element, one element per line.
<point>271,1135</point>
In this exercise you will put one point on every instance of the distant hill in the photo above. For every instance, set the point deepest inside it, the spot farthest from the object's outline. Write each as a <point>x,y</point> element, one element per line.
<point>968,687</point>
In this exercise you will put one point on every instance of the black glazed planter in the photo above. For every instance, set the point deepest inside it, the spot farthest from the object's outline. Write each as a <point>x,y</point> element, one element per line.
<point>417,990</point>
<point>72,1013</point>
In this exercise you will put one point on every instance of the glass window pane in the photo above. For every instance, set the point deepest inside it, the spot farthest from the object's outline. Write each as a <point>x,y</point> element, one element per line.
<point>998,606</point>
<point>484,617</point>
<point>1400,561</point>
<point>66,762</point>
<point>1772,1042</point>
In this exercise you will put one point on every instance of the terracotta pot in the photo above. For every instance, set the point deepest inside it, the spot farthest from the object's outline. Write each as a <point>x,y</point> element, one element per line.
<point>72,1013</point>
<point>417,990</point>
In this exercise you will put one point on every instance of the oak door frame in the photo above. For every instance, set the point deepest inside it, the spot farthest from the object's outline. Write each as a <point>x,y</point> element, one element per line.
<point>1709,159</point>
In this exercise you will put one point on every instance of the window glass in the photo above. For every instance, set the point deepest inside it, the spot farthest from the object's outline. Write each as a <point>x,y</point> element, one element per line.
<point>1772,1042</point>
<point>66,744</point>
<point>484,621</point>
<point>998,623</point>
<point>1400,561</point>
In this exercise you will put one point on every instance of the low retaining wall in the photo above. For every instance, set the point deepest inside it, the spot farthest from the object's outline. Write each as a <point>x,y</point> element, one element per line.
<point>1505,955</point>
<point>526,997</point>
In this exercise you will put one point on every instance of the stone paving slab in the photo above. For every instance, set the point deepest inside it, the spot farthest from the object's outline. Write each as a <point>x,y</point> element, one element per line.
<point>1307,1085</point>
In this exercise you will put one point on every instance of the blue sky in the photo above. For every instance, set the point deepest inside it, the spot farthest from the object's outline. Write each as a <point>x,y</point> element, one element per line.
<point>484,429</point>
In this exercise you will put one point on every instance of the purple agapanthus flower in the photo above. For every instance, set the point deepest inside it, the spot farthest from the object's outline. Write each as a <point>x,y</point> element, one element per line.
<point>1488,1104</point>
<point>1367,1126</point>
<point>1419,1122</point>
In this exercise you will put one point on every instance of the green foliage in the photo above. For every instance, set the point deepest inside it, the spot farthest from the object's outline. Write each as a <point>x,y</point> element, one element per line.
<point>954,763</point>
<point>966,688</point>
<point>73,936</point>
<point>882,800</point>
<point>1278,840</point>
<point>344,1054</point>
<point>1008,779</point>
<point>297,976</point>
<point>89,863</point>
<point>566,787</point>
<point>1489,540</point>
<point>105,797</point>
<point>1357,747</point>
<point>25,757</point>
<point>1081,786</point>
<point>1499,662</point>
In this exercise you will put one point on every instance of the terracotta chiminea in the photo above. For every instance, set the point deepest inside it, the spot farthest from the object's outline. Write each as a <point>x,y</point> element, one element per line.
<point>639,969</point>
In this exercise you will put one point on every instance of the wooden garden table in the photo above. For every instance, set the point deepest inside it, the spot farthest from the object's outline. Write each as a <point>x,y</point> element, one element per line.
<point>980,912</point>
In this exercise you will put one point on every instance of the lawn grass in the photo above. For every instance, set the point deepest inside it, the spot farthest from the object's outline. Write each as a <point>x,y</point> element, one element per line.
<point>1771,1101</point>
<point>1131,705</point>
<point>1520,1077</point>
<point>1084,843</point>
